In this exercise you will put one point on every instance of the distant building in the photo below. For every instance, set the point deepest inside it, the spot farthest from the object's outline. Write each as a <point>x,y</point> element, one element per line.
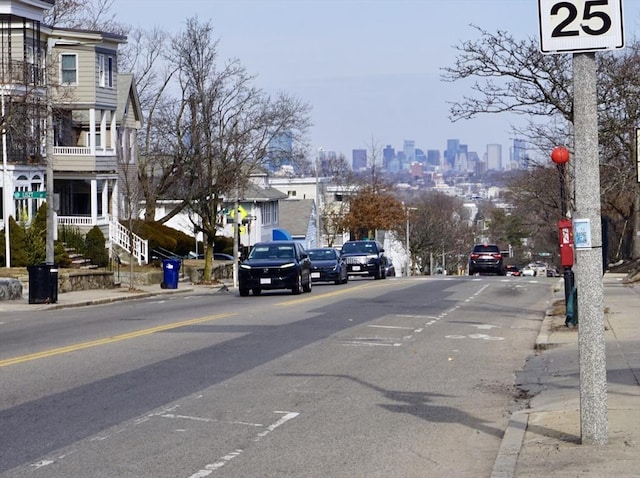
<point>494,157</point>
<point>280,152</point>
<point>451,153</point>
<point>359,159</point>
<point>433,157</point>
<point>519,157</point>
<point>409,150</point>
<point>388,155</point>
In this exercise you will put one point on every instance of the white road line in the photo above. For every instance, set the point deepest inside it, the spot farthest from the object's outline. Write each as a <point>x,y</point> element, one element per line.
<point>370,344</point>
<point>390,327</point>
<point>210,468</point>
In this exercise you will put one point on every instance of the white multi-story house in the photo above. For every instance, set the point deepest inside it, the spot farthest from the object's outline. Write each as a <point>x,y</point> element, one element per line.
<point>89,142</point>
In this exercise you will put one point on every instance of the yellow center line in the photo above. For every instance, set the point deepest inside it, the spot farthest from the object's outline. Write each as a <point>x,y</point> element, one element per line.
<point>109,340</point>
<point>314,296</point>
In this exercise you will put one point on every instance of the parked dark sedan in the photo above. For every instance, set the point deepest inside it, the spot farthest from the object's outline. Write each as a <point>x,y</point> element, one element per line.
<point>275,265</point>
<point>327,265</point>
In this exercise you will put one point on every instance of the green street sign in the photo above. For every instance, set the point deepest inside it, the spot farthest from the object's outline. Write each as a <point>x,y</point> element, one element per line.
<point>29,194</point>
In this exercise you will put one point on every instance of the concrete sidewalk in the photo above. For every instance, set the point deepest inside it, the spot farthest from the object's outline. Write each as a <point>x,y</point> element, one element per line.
<point>545,439</point>
<point>104,296</point>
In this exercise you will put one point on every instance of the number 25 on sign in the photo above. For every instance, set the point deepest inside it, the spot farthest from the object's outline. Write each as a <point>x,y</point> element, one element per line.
<point>569,26</point>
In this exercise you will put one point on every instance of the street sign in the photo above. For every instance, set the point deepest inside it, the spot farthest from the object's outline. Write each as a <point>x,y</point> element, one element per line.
<point>568,26</point>
<point>29,194</point>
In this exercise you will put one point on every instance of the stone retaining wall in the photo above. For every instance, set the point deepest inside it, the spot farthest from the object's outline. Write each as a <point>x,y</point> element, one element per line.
<point>74,280</point>
<point>10,289</point>
<point>85,280</point>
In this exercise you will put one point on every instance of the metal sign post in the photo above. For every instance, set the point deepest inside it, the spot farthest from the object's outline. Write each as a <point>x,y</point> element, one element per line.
<point>583,27</point>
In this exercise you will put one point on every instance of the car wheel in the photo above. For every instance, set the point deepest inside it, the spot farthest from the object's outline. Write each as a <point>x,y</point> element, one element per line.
<point>308,285</point>
<point>257,291</point>
<point>472,272</point>
<point>297,288</point>
<point>244,292</point>
<point>378,273</point>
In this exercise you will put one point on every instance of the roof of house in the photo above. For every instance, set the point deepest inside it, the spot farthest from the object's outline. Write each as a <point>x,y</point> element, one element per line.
<point>253,192</point>
<point>127,91</point>
<point>295,214</point>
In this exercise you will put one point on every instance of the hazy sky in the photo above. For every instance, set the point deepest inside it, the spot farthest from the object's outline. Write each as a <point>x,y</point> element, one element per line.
<point>369,68</point>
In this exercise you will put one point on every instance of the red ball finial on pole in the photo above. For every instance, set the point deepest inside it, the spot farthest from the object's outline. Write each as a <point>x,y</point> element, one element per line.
<point>560,155</point>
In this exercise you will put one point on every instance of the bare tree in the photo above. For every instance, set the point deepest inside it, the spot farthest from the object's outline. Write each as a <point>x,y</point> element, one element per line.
<point>94,15</point>
<point>159,170</point>
<point>512,76</point>
<point>440,224</point>
<point>333,216</point>
<point>223,127</point>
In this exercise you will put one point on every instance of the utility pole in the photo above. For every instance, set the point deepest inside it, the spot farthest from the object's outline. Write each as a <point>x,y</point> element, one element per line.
<point>49,247</point>
<point>5,188</point>
<point>591,344</point>
<point>583,27</point>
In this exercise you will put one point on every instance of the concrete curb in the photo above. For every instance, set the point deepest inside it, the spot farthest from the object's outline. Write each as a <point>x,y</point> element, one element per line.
<point>507,460</point>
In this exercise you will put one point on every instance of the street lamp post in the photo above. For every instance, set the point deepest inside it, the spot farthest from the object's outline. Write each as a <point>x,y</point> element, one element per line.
<point>318,233</point>
<point>560,156</point>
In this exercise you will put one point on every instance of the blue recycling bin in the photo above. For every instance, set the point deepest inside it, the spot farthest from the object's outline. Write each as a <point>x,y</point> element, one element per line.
<point>170,270</point>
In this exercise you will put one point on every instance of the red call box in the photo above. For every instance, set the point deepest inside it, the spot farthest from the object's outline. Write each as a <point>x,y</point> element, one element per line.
<point>565,233</point>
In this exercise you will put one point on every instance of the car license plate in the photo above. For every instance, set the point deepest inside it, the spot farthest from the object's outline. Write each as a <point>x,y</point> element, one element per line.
<point>356,268</point>
<point>315,275</point>
<point>265,280</point>
<point>486,257</point>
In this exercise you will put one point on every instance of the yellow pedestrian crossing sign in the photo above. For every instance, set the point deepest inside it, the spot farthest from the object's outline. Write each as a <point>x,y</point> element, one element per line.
<point>242,213</point>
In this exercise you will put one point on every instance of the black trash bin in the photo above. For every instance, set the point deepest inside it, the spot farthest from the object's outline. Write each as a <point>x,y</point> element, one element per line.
<point>43,284</point>
<point>170,270</point>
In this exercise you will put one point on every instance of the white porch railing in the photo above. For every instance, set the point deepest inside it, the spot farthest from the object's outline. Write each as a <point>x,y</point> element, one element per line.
<point>71,151</point>
<point>79,220</point>
<point>120,235</point>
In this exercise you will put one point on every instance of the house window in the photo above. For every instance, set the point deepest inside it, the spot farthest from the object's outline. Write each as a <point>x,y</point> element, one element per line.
<point>110,72</point>
<point>291,193</point>
<point>270,213</point>
<point>105,70</point>
<point>101,70</point>
<point>88,140</point>
<point>69,69</point>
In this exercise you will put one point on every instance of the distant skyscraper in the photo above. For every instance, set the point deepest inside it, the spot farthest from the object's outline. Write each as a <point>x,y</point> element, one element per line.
<point>520,157</point>
<point>280,151</point>
<point>409,150</point>
<point>494,157</point>
<point>359,159</point>
<point>451,153</point>
<point>388,154</point>
<point>325,158</point>
<point>433,157</point>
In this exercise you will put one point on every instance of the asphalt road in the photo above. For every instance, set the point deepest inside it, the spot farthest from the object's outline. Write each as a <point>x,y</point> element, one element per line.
<point>399,377</point>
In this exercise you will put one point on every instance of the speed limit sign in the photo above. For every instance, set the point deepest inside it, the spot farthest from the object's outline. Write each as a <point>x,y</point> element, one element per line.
<point>580,25</point>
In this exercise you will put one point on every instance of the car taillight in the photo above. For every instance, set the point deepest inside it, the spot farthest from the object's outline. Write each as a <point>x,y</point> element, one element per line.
<point>475,256</point>
<point>497,256</point>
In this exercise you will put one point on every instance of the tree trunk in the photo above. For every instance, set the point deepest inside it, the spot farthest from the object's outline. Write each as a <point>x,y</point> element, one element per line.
<point>635,241</point>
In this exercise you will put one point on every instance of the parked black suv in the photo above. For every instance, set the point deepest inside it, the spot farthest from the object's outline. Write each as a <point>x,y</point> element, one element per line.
<point>486,258</point>
<point>365,258</point>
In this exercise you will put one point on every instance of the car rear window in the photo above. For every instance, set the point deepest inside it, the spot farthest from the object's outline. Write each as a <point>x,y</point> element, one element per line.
<point>486,248</point>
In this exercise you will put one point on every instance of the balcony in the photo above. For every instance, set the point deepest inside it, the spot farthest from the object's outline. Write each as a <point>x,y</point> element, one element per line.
<point>82,158</point>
